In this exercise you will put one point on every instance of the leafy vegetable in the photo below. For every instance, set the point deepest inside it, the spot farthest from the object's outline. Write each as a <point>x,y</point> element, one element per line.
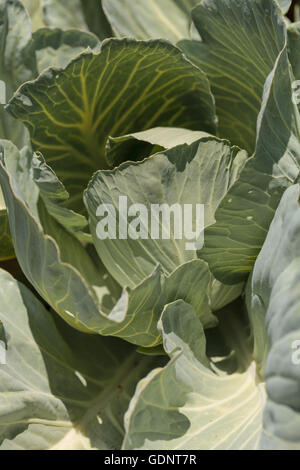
<point>149,212</point>
<point>75,120</point>
<point>201,409</point>
<point>80,289</point>
<point>60,389</point>
<point>244,216</point>
<point>219,404</point>
<point>240,43</point>
<point>22,57</point>
<point>188,169</point>
<point>274,299</point>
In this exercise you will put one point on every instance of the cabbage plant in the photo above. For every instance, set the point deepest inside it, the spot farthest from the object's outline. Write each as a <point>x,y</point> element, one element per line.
<point>136,343</point>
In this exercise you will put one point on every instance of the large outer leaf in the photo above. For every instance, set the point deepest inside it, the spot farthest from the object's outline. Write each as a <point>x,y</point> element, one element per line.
<point>244,216</point>
<point>200,173</point>
<point>129,86</point>
<point>274,297</point>
<point>186,405</point>
<point>79,289</point>
<point>241,41</point>
<point>60,389</point>
<point>80,14</point>
<point>145,19</point>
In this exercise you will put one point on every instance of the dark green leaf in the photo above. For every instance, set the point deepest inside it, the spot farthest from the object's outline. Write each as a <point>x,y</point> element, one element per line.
<point>99,95</point>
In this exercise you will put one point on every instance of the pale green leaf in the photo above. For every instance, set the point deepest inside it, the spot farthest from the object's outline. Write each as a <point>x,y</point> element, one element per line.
<point>35,10</point>
<point>244,216</point>
<point>43,258</point>
<point>274,299</point>
<point>54,195</point>
<point>241,40</point>
<point>190,405</point>
<point>200,173</point>
<point>60,389</point>
<point>71,279</point>
<point>99,95</point>
<point>146,19</point>
<point>284,5</point>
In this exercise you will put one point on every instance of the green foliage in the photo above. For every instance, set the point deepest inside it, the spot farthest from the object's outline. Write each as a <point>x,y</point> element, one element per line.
<point>138,342</point>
